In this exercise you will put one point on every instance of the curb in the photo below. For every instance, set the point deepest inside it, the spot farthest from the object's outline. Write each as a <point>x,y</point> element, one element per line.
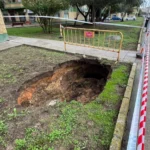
<point>122,116</point>
<point>140,37</point>
<point>7,48</point>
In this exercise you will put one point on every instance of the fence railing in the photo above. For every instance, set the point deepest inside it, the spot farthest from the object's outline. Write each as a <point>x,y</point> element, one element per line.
<point>94,38</point>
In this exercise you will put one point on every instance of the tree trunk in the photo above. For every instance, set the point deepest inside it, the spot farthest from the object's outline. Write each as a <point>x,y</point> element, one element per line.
<point>84,15</point>
<point>98,14</point>
<point>49,25</point>
<point>105,16</point>
<point>93,14</point>
<point>41,24</point>
<point>44,23</point>
<point>76,19</point>
<point>122,19</point>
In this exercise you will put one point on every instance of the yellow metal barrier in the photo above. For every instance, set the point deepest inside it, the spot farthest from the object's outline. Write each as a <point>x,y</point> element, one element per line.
<point>99,39</point>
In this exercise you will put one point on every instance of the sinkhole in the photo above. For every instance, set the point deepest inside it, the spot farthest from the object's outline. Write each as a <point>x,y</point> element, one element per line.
<point>81,80</point>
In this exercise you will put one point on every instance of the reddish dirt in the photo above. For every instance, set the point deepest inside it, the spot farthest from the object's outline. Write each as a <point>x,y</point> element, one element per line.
<point>74,80</point>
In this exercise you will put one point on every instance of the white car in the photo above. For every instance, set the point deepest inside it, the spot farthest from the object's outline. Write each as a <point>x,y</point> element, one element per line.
<point>108,18</point>
<point>131,18</point>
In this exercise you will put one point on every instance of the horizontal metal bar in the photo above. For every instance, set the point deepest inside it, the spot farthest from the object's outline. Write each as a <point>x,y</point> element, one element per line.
<point>101,48</point>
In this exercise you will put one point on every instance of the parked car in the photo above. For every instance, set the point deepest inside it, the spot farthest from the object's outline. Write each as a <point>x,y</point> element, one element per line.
<point>108,18</point>
<point>115,18</point>
<point>131,18</point>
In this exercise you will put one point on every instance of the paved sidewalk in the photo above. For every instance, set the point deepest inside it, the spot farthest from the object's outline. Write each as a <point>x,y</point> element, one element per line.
<point>125,56</point>
<point>8,44</point>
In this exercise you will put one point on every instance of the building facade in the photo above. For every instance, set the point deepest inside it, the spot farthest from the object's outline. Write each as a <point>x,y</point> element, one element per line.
<point>14,8</point>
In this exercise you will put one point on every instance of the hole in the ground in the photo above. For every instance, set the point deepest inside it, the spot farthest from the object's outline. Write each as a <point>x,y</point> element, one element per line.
<point>81,80</point>
<point>92,72</point>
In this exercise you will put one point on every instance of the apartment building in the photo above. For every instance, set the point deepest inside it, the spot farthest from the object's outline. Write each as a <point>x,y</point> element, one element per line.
<point>13,8</point>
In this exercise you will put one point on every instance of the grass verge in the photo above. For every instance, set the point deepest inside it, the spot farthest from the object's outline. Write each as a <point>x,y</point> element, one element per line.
<point>131,35</point>
<point>3,133</point>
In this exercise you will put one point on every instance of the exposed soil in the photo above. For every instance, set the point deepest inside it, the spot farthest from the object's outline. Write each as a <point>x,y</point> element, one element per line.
<point>81,80</point>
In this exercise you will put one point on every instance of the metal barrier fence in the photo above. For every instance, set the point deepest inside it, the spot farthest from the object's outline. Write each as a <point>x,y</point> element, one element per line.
<point>93,38</point>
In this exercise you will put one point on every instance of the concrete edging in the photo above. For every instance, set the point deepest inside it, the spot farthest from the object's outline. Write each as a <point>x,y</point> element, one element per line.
<point>140,37</point>
<point>122,116</point>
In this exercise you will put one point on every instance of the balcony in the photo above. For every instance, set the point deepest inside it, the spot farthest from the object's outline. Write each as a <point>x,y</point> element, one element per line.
<point>13,5</point>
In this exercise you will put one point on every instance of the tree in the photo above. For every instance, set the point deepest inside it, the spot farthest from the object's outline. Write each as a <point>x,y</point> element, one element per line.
<point>95,8</point>
<point>100,9</point>
<point>79,4</point>
<point>45,8</point>
<point>1,4</point>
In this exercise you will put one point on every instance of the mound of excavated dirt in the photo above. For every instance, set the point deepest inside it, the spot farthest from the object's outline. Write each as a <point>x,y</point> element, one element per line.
<point>81,80</point>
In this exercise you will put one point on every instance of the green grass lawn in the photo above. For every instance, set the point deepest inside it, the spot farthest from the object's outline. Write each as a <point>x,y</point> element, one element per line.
<point>131,35</point>
<point>34,32</point>
<point>138,22</point>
